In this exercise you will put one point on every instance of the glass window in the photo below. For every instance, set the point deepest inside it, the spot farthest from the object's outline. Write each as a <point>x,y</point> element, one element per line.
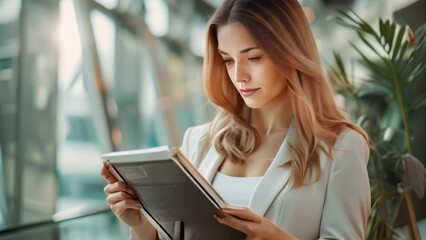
<point>78,147</point>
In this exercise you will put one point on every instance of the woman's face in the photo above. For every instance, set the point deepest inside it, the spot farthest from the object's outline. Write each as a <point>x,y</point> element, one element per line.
<point>251,70</point>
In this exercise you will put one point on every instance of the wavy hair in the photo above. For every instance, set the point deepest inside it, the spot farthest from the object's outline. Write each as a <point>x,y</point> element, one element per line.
<point>281,30</point>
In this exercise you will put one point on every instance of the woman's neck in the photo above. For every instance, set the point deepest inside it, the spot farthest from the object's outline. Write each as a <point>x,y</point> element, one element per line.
<point>275,117</point>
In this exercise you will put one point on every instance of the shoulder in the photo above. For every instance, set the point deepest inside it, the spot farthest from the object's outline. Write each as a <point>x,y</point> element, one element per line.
<point>349,136</point>
<point>350,144</point>
<point>351,139</point>
<point>194,136</point>
<point>196,132</point>
<point>199,130</point>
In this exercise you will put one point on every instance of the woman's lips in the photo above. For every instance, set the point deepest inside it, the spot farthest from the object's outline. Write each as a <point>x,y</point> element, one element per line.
<point>248,91</point>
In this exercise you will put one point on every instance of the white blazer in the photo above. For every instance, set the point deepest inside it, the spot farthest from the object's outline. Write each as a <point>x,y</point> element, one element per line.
<point>335,207</point>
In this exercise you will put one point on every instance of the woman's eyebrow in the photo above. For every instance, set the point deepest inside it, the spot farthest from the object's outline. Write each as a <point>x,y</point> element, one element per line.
<point>242,51</point>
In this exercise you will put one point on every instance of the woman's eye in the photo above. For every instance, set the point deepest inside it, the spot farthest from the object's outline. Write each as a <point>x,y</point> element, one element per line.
<point>253,59</point>
<point>228,61</point>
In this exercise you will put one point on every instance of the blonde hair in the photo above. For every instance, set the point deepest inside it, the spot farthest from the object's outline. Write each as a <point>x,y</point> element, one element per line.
<point>280,28</point>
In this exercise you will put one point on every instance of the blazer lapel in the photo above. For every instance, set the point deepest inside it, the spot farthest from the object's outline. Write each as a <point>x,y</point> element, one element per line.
<point>211,164</point>
<point>275,177</point>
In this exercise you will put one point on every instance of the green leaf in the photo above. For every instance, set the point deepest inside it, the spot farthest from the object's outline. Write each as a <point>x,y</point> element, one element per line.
<point>341,66</point>
<point>410,70</point>
<point>345,14</point>
<point>364,40</point>
<point>398,43</point>
<point>368,29</point>
<point>362,118</point>
<point>340,21</point>
<point>361,26</point>
<point>365,26</point>
<point>382,30</point>
<point>400,61</point>
<point>420,43</point>
<point>371,87</point>
<point>388,33</point>
<point>372,65</point>
<point>392,35</point>
<point>402,52</point>
<point>339,71</point>
<point>418,102</point>
<point>391,119</point>
<point>340,17</point>
<point>339,62</point>
<point>413,54</point>
<point>417,71</point>
<point>335,73</point>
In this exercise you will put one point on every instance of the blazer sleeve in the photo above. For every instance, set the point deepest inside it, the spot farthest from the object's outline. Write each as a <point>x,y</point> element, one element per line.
<point>348,199</point>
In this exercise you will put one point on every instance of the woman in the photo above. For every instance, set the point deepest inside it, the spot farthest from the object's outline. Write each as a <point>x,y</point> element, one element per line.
<point>298,163</point>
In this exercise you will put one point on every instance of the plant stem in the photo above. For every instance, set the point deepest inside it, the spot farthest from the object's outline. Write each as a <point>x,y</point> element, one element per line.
<point>402,110</point>
<point>383,207</point>
<point>406,194</point>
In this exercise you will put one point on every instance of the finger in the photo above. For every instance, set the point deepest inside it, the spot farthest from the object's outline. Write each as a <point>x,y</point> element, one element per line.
<point>120,207</point>
<point>244,226</point>
<point>119,187</point>
<point>114,198</point>
<point>243,213</point>
<point>107,175</point>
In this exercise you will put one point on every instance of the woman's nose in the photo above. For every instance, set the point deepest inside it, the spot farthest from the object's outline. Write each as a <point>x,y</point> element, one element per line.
<point>241,74</point>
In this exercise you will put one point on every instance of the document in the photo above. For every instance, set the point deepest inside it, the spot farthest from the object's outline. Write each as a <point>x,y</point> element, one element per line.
<point>175,197</point>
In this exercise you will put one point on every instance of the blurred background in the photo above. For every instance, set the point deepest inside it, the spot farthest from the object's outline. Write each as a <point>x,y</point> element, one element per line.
<point>79,78</point>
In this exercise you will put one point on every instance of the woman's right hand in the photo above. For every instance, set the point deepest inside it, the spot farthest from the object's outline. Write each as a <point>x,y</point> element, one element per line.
<point>121,199</point>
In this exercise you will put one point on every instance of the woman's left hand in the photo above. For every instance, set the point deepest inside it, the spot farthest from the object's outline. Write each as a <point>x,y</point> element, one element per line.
<point>254,226</point>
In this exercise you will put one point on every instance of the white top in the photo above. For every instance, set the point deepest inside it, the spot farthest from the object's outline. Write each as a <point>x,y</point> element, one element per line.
<point>235,190</point>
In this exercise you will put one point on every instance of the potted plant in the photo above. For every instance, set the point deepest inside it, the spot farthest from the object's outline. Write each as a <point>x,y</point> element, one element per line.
<point>383,105</point>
